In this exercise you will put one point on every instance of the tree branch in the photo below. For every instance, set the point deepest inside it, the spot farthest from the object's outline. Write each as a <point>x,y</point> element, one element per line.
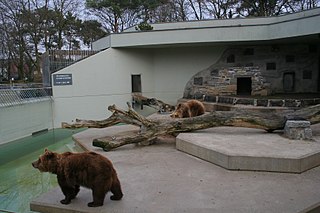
<point>151,129</point>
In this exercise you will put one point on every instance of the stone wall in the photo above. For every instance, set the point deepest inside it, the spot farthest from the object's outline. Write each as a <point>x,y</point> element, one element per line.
<point>224,81</point>
<point>259,70</point>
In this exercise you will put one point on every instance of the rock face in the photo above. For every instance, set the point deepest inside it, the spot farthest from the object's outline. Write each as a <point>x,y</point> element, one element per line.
<point>257,70</point>
<point>226,81</point>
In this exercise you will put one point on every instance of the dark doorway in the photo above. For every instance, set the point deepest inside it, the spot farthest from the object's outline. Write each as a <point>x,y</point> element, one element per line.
<point>136,83</point>
<point>319,74</point>
<point>288,81</point>
<point>244,86</point>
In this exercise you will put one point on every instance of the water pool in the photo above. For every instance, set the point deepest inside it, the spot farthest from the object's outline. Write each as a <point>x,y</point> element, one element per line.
<point>19,181</point>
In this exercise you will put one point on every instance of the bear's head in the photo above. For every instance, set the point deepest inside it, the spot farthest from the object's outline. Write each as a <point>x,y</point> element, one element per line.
<point>47,162</point>
<point>182,111</point>
<point>176,114</point>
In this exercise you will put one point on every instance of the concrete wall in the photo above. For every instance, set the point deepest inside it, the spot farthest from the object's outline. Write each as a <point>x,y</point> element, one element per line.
<point>22,120</point>
<point>99,81</point>
<point>175,66</point>
<point>101,44</point>
<point>105,79</point>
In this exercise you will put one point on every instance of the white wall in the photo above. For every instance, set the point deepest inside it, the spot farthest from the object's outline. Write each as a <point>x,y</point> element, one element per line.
<point>22,120</point>
<point>105,79</point>
<point>99,81</point>
<point>174,67</point>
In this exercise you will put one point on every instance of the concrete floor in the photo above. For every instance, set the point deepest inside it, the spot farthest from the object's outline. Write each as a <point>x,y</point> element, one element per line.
<point>159,178</point>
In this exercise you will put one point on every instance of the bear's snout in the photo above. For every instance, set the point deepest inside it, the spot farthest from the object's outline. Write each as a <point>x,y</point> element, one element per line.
<point>35,165</point>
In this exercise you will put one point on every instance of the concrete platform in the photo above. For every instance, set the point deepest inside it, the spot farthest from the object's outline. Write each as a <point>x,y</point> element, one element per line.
<point>250,149</point>
<point>159,178</point>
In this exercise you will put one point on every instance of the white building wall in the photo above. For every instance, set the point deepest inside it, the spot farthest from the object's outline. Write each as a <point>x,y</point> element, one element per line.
<point>21,120</point>
<point>105,79</point>
<point>99,81</point>
<point>174,67</point>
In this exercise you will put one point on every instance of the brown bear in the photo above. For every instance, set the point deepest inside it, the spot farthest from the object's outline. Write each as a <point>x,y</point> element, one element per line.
<point>87,169</point>
<point>188,109</point>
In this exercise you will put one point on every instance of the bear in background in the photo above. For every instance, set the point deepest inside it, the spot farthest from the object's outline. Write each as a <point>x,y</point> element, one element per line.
<point>188,109</point>
<point>86,169</point>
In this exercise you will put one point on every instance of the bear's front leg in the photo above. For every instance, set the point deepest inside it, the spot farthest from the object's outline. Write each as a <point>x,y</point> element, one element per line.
<point>70,192</point>
<point>65,201</point>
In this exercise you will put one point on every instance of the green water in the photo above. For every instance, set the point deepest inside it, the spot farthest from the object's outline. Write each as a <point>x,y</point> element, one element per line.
<point>20,183</point>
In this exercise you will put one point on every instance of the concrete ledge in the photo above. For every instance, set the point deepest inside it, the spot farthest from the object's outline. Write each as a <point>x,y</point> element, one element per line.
<point>159,178</point>
<point>250,149</point>
<point>78,205</point>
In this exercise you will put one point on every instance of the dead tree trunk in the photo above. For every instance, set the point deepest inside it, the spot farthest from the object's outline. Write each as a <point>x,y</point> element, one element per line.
<point>152,102</point>
<point>150,129</point>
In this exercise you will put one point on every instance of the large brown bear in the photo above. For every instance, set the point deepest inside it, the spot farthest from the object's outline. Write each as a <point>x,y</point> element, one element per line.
<point>86,169</point>
<point>188,109</point>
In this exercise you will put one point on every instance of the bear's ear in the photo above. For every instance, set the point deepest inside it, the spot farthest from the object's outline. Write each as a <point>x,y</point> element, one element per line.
<point>48,153</point>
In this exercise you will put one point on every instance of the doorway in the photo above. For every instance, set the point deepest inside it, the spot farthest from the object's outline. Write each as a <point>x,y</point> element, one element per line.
<point>244,86</point>
<point>288,81</point>
<point>319,74</point>
<point>136,83</point>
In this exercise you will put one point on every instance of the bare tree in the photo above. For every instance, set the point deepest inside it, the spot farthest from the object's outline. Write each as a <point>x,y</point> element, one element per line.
<point>196,6</point>
<point>31,26</point>
<point>221,9</point>
<point>62,8</point>
<point>13,28</point>
<point>114,15</point>
<point>273,7</point>
<point>298,5</point>
<point>182,10</point>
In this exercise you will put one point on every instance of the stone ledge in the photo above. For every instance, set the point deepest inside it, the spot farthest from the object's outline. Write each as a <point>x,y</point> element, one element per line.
<point>256,150</point>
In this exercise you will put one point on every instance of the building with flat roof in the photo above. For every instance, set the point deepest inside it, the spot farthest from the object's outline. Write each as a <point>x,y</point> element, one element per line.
<point>246,56</point>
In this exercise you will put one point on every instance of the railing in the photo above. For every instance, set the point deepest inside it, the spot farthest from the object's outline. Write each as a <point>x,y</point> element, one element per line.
<point>55,60</point>
<point>18,96</point>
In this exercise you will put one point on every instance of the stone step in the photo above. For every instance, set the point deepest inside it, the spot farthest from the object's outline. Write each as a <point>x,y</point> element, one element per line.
<point>250,149</point>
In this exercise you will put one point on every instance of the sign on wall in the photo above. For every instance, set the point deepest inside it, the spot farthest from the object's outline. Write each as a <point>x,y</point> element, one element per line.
<point>62,79</point>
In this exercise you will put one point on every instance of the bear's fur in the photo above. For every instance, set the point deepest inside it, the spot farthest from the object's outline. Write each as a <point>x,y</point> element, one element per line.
<point>86,169</point>
<point>188,109</point>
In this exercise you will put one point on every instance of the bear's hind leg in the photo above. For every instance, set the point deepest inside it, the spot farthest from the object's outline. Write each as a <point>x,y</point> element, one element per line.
<point>98,194</point>
<point>116,190</point>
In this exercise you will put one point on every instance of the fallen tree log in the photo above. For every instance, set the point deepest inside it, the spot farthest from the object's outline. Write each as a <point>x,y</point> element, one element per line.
<point>159,105</point>
<point>150,129</point>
